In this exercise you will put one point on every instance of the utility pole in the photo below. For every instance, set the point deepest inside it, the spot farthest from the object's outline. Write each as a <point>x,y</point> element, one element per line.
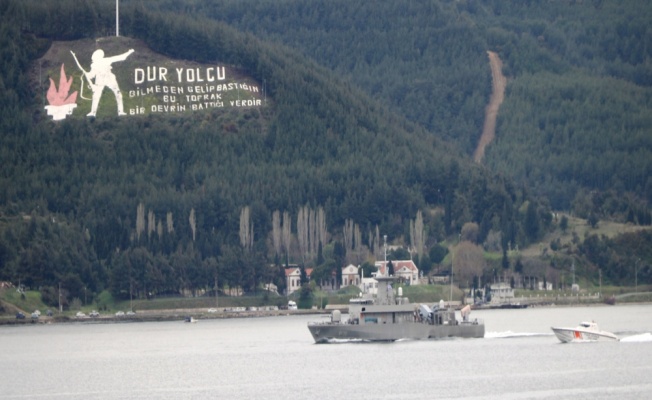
<point>450,298</point>
<point>459,238</point>
<point>117,18</point>
<point>636,275</point>
<point>131,303</point>
<point>216,301</point>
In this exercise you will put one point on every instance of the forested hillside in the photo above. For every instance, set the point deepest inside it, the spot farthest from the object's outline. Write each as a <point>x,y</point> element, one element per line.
<point>177,203</point>
<point>575,126</point>
<point>164,204</point>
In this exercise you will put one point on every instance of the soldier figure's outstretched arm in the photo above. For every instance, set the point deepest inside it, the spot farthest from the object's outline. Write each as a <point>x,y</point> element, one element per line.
<point>120,57</point>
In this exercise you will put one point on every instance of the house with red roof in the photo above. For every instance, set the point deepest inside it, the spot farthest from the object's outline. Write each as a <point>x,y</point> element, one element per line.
<point>404,269</point>
<point>293,278</point>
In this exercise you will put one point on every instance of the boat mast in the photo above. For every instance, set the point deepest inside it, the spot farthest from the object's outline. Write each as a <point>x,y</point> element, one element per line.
<point>385,250</point>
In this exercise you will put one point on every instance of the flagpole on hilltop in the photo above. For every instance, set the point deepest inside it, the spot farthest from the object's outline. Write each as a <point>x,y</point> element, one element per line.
<point>117,18</point>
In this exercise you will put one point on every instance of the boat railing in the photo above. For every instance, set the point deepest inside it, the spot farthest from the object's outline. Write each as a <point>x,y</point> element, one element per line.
<point>472,321</point>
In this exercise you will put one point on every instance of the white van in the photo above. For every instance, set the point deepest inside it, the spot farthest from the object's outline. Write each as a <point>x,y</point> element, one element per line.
<point>292,305</point>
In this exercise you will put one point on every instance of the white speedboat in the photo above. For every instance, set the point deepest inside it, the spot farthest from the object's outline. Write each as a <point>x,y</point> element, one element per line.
<point>585,331</point>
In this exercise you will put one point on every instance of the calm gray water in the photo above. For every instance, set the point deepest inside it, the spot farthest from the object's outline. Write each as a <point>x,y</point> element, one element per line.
<point>275,358</point>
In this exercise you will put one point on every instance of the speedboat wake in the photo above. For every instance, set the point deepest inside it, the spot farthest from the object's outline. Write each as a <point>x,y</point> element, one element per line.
<point>510,334</point>
<point>643,337</point>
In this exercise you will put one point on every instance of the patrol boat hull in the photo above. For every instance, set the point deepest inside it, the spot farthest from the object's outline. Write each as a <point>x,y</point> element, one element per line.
<point>382,316</point>
<point>327,332</point>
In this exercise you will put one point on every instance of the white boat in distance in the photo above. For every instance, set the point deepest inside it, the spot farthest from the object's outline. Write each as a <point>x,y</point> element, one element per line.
<point>585,331</point>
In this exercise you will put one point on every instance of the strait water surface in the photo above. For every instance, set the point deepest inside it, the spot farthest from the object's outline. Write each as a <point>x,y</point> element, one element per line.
<point>275,358</point>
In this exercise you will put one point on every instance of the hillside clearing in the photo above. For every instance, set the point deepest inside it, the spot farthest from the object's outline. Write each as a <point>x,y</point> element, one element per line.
<point>580,227</point>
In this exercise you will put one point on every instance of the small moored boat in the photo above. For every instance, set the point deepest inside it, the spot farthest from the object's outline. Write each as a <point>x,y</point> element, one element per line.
<point>585,331</point>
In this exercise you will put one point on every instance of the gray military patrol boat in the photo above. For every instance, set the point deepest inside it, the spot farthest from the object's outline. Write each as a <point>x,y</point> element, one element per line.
<point>386,317</point>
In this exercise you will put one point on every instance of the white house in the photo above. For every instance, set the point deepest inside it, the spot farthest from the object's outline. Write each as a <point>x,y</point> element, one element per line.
<point>350,276</point>
<point>270,287</point>
<point>293,279</point>
<point>369,285</point>
<point>501,293</point>
<point>405,269</point>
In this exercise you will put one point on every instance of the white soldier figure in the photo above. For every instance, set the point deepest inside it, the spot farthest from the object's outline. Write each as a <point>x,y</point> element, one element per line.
<point>100,76</point>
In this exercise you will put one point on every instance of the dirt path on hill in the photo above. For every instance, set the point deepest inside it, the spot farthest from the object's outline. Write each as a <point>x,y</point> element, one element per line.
<point>491,112</point>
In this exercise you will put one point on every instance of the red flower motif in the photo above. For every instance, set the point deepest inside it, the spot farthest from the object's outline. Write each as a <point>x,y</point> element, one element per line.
<point>60,97</point>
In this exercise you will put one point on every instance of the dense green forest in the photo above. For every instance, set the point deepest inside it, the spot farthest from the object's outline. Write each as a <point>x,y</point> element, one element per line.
<point>575,120</point>
<point>169,204</point>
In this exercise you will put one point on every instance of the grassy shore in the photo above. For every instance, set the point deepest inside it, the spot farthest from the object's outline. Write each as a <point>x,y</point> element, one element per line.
<point>177,308</point>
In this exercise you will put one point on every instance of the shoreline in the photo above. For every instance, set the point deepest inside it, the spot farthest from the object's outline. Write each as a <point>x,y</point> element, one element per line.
<point>200,314</point>
<point>158,316</point>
